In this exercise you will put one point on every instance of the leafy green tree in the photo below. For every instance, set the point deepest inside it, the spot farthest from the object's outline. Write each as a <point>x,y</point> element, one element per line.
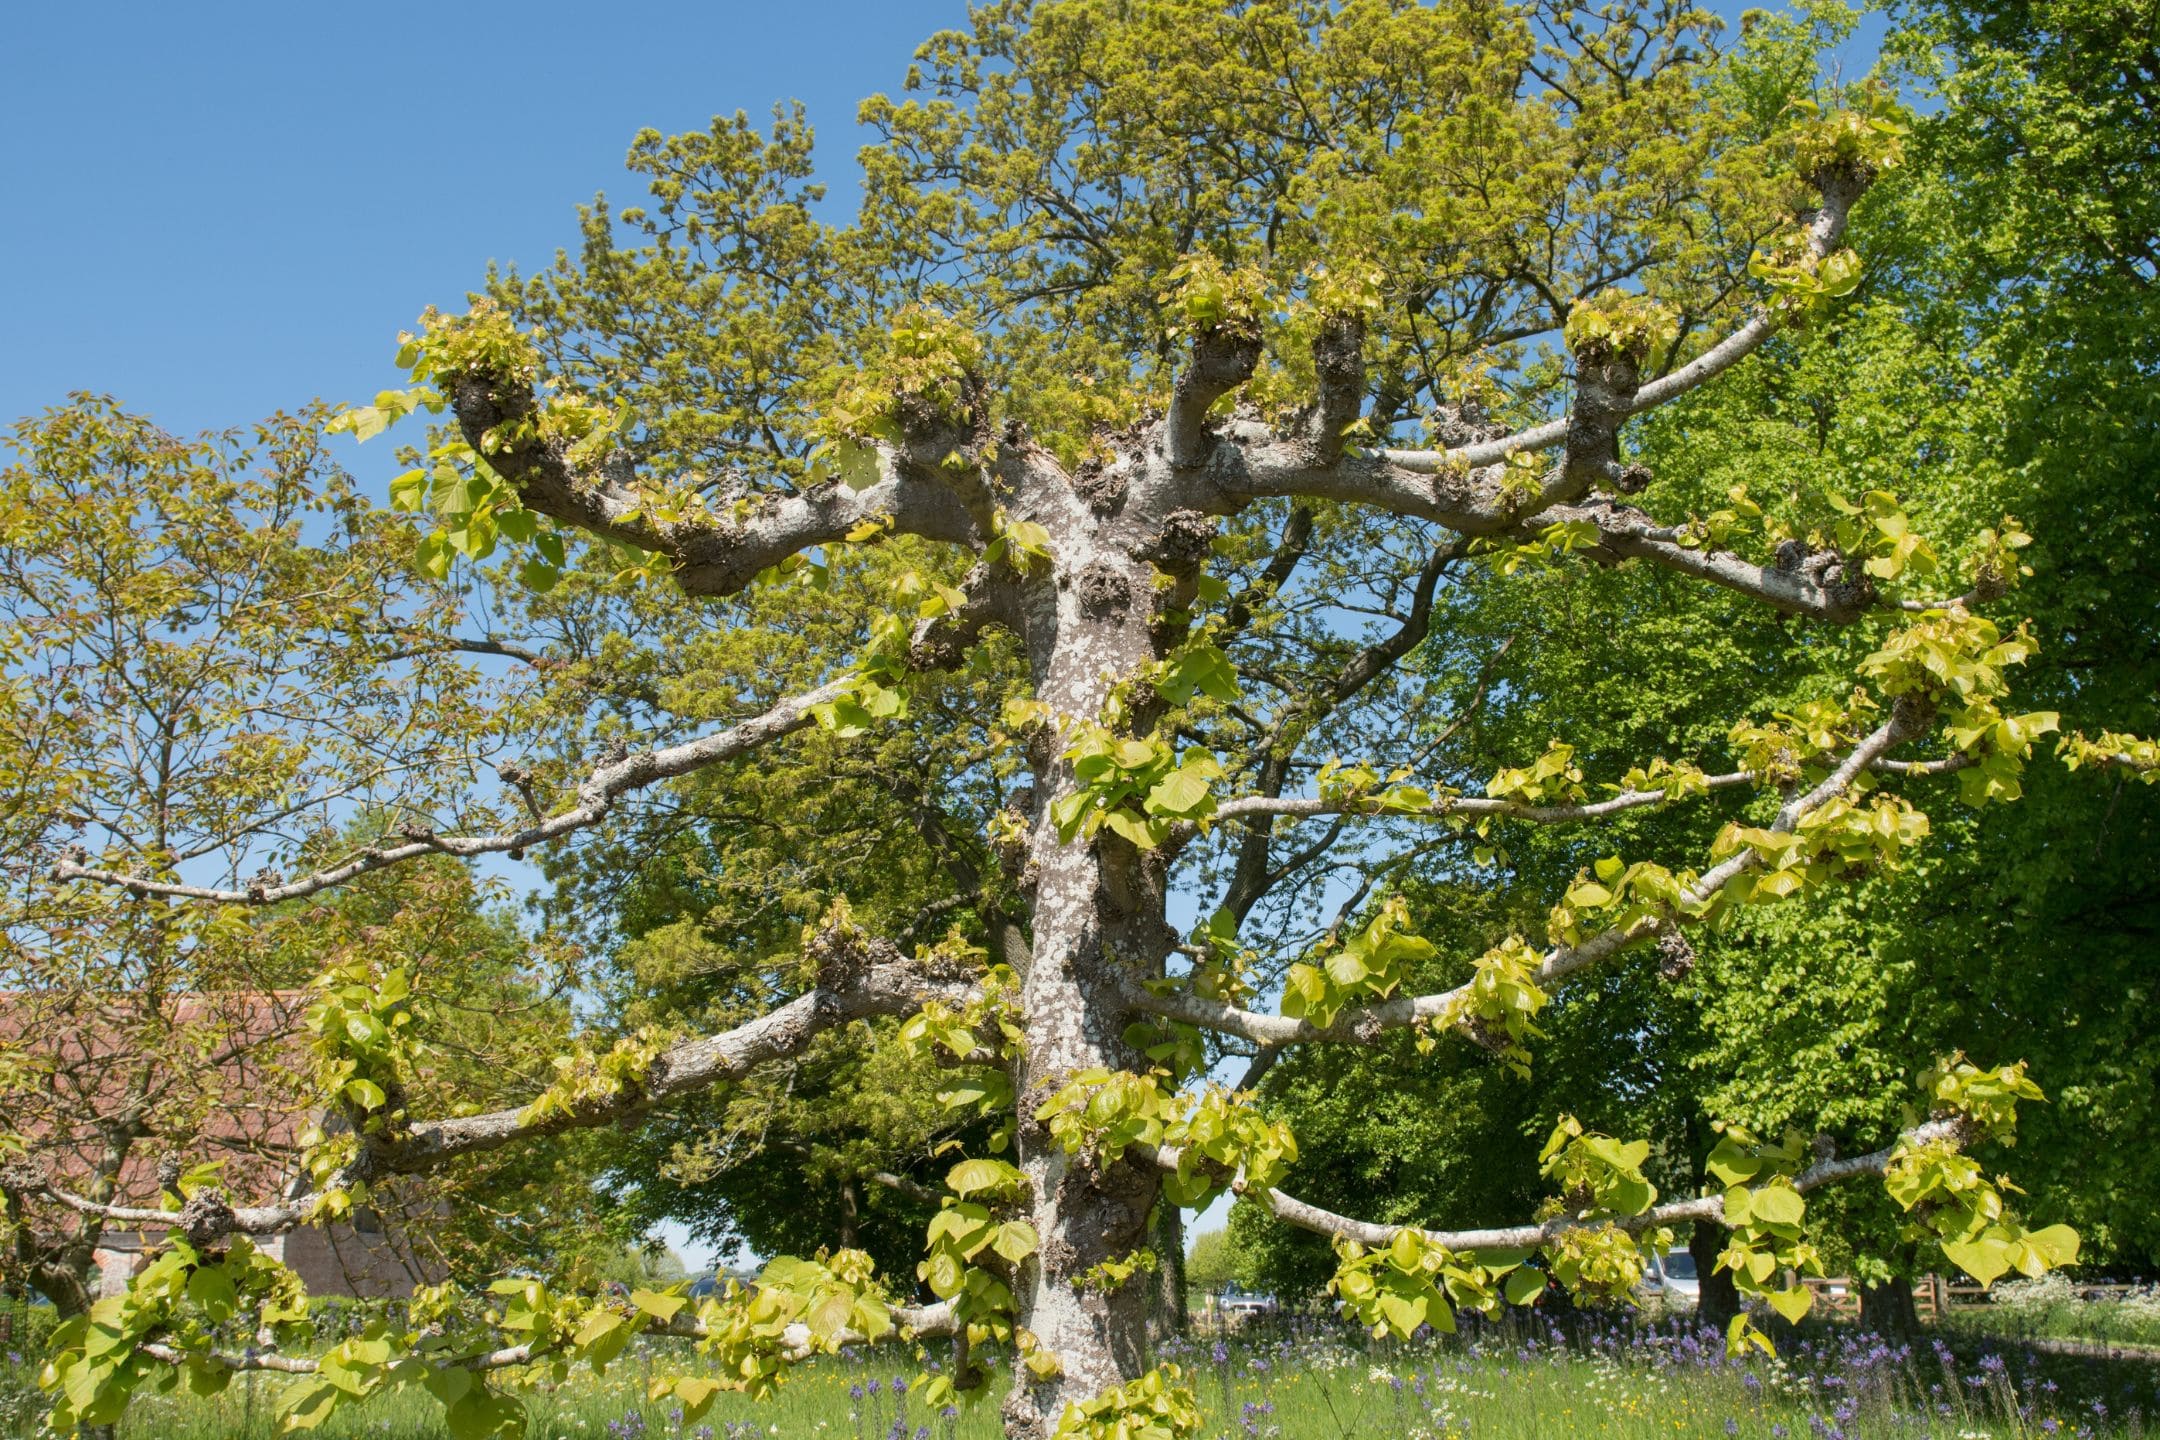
<point>1211,1267</point>
<point>2005,225</point>
<point>198,628</point>
<point>1180,361</point>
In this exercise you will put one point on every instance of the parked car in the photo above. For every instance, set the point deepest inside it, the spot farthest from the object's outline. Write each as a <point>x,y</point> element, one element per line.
<point>1672,1278</point>
<point>1235,1306</point>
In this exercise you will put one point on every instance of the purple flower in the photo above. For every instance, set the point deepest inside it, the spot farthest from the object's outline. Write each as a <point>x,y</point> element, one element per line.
<point>1732,1426</point>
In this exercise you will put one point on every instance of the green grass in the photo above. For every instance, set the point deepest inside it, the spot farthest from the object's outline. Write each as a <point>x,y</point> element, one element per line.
<point>1313,1384</point>
<point>2052,1309</point>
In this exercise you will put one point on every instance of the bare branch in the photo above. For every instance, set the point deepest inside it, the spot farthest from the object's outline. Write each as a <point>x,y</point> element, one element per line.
<point>596,797</point>
<point>1366,1024</point>
<point>1297,1212</point>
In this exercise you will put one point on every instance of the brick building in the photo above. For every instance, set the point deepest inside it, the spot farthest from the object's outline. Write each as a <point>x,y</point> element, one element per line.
<point>132,1088</point>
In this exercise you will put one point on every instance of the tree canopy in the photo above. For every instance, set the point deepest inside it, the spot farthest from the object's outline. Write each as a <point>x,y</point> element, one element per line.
<point>1234,547</point>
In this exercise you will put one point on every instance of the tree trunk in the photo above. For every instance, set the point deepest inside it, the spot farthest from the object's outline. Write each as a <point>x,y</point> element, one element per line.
<point>1720,1298</point>
<point>1168,1243</point>
<point>1888,1308</point>
<point>1098,925</point>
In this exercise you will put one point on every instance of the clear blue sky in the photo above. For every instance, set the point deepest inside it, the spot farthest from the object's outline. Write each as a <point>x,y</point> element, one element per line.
<point>213,210</point>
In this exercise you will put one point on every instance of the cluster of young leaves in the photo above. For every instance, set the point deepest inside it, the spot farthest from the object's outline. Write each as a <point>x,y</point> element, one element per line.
<point>1159,1405</point>
<point>1552,544</point>
<point>1499,1005</point>
<point>1803,284</point>
<point>1878,528</point>
<point>1957,661</point>
<point>1615,324</point>
<point>1361,785</point>
<point>1867,134</point>
<point>1841,838</point>
<point>876,689</point>
<point>1601,1183</point>
<point>1221,1135</point>
<point>474,506</point>
<point>1371,964</point>
<point>837,1299</point>
<point>1620,896</point>
<point>182,1297</point>
<point>921,372</point>
<point>366,1036</point>
<point>1554,778</point>
<point>1716,530</point>
<point>1203,296</point>
<point>975,1244</point>
<point>1136,787</point>
<point>585,1076</point>
<point>1107,1277</point>
<point>1104,1113</point>
<point>1765,1219</point>
<point>1599,1177</point>
<point>1951,1201</point>
<point>2112,749</point>
<point>975,1044</point>
<point>1600,1263</point>
<point>1798,745</point>
<point>1411,1281</point>
<point>1223,969</point>
<point>1947,1196</point>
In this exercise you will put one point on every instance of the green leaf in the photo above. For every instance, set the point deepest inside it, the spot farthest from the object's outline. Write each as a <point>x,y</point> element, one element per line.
<point>661,1306</point>
<point>484,1414</point>
<point>211,1288</point>
<point>1793,1303</point>
<point>1778,1205</point>
<point>1524,1285</point>
<point>310,1402</point>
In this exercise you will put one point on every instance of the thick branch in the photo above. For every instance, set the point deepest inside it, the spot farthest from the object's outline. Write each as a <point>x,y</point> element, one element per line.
<point>1221,361</point>
<point>713,554</point>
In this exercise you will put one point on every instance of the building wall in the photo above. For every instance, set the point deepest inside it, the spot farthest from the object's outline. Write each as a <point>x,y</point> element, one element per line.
<point>333,1260</point>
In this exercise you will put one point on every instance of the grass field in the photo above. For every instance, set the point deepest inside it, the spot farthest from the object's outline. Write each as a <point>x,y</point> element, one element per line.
<point>1307,1380</point>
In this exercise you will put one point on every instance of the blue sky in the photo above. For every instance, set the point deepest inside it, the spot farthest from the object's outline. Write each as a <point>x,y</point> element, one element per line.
<point>220,209</point>
<point>217,210</point>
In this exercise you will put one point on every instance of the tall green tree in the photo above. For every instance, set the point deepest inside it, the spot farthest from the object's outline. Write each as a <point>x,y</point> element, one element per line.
<point>1179,362</point>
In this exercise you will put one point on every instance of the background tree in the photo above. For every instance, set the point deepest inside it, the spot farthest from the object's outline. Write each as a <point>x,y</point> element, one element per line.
<point>194,625</point>
<point>1812,1017</point>
<point>1180,355</point>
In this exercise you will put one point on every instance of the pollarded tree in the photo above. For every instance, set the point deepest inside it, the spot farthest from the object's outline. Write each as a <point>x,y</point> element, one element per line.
<point>1371,290</point>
